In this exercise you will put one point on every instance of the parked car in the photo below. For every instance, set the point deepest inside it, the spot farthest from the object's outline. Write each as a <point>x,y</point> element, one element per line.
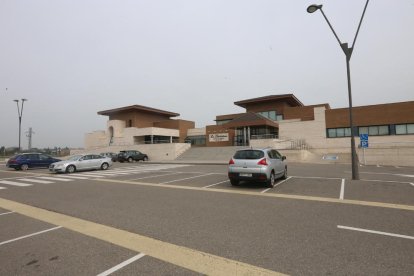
<point>131,155</point>
<point>112,155</point>
<point>24,161</point>
<point>81,162</point>
<point>262,165</point>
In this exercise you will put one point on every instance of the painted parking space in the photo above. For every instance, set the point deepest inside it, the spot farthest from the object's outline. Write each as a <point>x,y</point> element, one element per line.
<point>33,247</point>
<point>14,225</point>
<point>309,186</point>
<point>380,191</point>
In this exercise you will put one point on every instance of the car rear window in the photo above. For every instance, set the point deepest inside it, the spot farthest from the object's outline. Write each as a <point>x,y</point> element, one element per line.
<point>249,154</point>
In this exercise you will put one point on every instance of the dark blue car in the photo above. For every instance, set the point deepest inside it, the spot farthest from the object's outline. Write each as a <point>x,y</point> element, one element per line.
<point>25,161</point>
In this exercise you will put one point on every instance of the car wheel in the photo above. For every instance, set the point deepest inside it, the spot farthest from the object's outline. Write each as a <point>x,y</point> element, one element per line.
<point>271,181</point>
<point>130,159</point>
<point>285,174</point>
<point>145,158</point>
<point>234,182</point>
<point>104,166</point>
<point>24,167</point>
<point>71,169</point>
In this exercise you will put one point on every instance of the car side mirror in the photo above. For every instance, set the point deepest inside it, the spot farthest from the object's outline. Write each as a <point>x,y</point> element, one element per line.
<point>283,157</point>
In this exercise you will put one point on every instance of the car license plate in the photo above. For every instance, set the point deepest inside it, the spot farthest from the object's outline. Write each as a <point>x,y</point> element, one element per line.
<point>245,174</point>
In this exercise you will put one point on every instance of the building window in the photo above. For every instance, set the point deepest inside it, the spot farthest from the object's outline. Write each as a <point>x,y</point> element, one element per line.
<point>375,130</point>
<point>129,124</point>
<point>271,115</point>
<point>339,132</point>
<point>404,129</point>
<point>196,140</point>
<point>222,122</point>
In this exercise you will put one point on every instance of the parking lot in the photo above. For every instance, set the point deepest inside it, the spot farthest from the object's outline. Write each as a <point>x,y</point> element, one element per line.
<point>184,219</point>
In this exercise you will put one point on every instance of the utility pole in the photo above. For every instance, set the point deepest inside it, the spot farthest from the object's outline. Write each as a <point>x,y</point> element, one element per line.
<point>29,135</point>
<point>20,113</point>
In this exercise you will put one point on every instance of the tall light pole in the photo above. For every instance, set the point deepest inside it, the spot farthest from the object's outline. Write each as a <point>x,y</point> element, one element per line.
<point>20,113</point>
<point>348,53</point>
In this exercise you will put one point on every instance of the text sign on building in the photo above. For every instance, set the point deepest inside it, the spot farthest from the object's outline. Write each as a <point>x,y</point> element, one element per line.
<point>364,140</point>
<point>218,137</point>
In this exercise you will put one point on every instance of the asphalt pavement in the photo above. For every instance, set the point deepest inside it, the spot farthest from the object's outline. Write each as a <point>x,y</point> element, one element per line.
<point>186,219</point>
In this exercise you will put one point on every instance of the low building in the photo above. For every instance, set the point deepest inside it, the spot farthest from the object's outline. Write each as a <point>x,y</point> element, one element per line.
<point>136,125</point>
<point>284,121</point>
<point>279,121</point>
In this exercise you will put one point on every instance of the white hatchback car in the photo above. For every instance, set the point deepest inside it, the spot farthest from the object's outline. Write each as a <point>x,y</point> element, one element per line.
<point>82,162</point>
<point>262,165</point>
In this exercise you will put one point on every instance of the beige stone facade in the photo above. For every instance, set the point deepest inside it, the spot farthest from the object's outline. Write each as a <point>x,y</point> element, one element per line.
<point>138,125</point>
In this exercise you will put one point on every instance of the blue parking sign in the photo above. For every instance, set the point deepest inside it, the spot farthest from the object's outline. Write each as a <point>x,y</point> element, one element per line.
<point>364,140</point>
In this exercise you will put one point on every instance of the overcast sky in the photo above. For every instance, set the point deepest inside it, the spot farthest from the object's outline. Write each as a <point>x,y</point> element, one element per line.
<point>71,59</point>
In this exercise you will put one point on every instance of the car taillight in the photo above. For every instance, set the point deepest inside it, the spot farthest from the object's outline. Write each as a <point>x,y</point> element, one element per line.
<point>262,162</point>
<point>231,162</point>
<point>12,161</point>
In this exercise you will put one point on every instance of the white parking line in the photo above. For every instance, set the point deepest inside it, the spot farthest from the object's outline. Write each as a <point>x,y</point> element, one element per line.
<point>341,194</point>
<point>121,265</point>
<point>281,182</point>
<point>216,184</point>
<point>386,181</point>
<point>2,214</point>
<point>35,180</point>
<point>71,177</point>
<point>412,184</point>
<point>12,183</point>
<point>85,175</point>
<point>375,232</point>
<point>185,178</point>
<point>2,188</point>
<point>151,176</point>
<point>30,235</point>
<point>265,190</point>
<point>54,178</point>
<point>315,177</point>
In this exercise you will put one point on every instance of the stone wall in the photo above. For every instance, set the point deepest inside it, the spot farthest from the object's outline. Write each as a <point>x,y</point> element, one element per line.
<point>155,152</point>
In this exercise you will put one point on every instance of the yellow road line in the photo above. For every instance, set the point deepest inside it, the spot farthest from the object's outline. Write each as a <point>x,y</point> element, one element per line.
<point>191,259</point>
<point>297,197</point>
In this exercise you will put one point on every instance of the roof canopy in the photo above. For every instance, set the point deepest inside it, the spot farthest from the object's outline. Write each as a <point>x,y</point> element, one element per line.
<point>137,108</point>
<point>250,119</point>
<point>289,98</point>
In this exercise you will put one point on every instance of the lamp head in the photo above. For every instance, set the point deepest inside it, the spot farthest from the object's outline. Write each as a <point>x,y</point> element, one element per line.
<point>313,8</point>
<point>24,100</point>
<point>16,101</point>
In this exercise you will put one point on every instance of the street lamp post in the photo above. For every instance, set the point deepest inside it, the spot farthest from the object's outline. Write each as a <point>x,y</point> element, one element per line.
<point>20,113</point>
<point>348,53</point>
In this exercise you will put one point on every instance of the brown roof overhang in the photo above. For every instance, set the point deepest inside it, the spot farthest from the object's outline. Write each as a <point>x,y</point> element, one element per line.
<point>289,98</point>
<point>250,119</point>
<point>137,108</point>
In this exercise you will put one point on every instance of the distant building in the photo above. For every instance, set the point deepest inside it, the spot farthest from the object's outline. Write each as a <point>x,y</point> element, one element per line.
<point>280,121</point>
<point>278,118</point>
<point>136,124</point>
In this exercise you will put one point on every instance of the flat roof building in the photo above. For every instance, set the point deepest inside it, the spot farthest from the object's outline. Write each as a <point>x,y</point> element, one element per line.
<point>277,118</point>
<point>137,124</point>
<point>279,121</point>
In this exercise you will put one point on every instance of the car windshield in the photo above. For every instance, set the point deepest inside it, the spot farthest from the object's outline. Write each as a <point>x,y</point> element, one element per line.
<point>74,158</point>
<point>249,154</point>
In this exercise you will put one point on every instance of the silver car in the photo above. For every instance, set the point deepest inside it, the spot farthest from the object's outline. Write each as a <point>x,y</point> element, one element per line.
<point>262,165</point>
<point>82,162</point>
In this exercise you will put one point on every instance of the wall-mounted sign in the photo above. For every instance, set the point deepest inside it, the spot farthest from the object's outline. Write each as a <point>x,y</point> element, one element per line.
<point>218,137</point>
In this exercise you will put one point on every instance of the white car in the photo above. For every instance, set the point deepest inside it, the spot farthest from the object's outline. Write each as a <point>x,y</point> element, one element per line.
<point>82,162</point>
<point>262,165</point>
